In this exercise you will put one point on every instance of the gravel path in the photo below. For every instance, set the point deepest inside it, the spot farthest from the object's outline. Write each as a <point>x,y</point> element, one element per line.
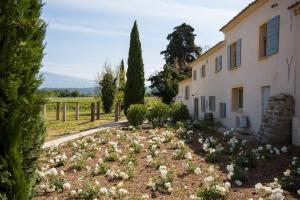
<point>58,141</point>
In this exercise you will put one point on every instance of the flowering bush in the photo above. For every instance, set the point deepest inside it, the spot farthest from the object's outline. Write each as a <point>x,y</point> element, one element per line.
<point>212,189</point>
<point>272,192</point>
<point>136,114</point>
<point>291,179</point>
<point>164,182</point>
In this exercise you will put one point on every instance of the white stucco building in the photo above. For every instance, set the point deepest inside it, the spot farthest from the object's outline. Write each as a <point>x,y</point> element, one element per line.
<point>259,58</point>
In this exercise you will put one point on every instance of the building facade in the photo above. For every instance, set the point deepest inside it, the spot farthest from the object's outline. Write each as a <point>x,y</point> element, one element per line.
<point>258,58</point>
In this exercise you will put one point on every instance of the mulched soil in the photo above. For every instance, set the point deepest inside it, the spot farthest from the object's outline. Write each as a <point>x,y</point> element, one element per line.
<point>184,184</point>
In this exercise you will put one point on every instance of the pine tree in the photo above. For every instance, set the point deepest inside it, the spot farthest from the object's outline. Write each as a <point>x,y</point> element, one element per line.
<point>135,84</point>
<point>21,127</point>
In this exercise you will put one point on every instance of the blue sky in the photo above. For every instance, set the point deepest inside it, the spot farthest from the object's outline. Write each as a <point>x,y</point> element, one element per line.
<point>83,34</point>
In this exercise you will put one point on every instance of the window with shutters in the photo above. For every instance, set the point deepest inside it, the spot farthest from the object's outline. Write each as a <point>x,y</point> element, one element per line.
<point>237,99</point>
<point>195,75</point>
<point>218,64</point>
<point>203,71</point>
<point>263,40</point>
<point>187,92</point>
<point>234,54</point>
<point>202,103</point>
<point>212,103</point>
<point>269,37</point>
<point>223,110</point>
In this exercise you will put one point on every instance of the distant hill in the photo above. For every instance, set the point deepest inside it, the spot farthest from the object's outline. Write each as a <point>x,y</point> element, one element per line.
<point>58,81</point>
<point>91,91</point>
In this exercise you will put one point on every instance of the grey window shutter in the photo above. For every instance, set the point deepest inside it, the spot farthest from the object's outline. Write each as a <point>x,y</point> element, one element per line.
<point>229,57</point>
<point>273,35</point>
<point>216,64</point>
<point>238,52</point>
<point>220,62</point>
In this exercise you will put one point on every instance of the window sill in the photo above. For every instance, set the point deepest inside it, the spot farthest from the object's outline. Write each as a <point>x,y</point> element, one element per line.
<point>237,110</point>
<point>216,72</point>
<point>233,68</point>
<point>263,58</point>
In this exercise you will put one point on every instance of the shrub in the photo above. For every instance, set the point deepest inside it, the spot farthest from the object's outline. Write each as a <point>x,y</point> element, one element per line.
<point>179,112</point>
<point>136,114</point>
<point>158,114</point>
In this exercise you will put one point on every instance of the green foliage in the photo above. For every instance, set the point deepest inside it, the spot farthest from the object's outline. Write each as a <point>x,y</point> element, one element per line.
<point>56,181</point>
<point>22,130</point>
<point>89,192</point>
<point>209,194</point>
<point>158,114</point>
<point>108,88</point>
<point>136,114</point>
<point>247,159</point>
<point>181,47</point>
<point>79,164</point>
<point>179,112</point>
<point>135,84</point>
<point>180,52</point>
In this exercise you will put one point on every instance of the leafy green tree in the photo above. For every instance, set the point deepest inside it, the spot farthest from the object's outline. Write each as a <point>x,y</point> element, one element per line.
<point>108,88</point>
<point>181,47</point>
<point>180,52</point>
<point>22,129</point>
<point>135,84</point>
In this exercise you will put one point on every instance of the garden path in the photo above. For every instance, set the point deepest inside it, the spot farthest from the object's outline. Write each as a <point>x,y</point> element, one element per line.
<point>58,141</point>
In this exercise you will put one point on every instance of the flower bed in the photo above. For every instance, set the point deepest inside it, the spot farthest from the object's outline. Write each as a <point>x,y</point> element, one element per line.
<point>165,164</point>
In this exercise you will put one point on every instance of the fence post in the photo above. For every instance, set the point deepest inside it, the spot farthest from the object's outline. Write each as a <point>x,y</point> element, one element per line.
<point>92,112</point>
<point>117,112</point>
<point>64,112</point>
<point>98,110</point>
<point>57,110</point>
<point>45,110</point>
<point>77,111</point>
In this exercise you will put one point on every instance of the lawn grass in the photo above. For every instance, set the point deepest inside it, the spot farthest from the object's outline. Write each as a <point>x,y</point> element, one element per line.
<point>59,128</point>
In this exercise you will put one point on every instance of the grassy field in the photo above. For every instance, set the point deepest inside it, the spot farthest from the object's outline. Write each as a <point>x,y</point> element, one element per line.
<point>59,128</point>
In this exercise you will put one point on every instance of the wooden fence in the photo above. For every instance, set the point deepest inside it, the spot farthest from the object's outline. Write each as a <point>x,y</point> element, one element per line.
<point>94,110</point>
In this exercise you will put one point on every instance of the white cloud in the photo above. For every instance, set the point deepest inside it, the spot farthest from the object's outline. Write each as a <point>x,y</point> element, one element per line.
<point>150,8</point>
<point>83,29</point>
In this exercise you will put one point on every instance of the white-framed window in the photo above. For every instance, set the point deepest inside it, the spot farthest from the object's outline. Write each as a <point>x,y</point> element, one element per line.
<point>237,99</point>
<point>195,75</point>
<point>222,110</point>
<point>212,103</point>
<point>203,71</point>
<point>187,92</point>
<point>218,64</point>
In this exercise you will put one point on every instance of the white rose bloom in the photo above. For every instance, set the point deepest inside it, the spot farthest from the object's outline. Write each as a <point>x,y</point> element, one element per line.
<point>287,172</point>
<point>189,156</point>
<point>67,186</point>
<point>73,192</point>
<point>258,188</point>
<point>168,185</point>
<point>284,149</point>
<point>238,183</point>
<point>227,185</point>
<point>197,171</point>
<point>123,191</point>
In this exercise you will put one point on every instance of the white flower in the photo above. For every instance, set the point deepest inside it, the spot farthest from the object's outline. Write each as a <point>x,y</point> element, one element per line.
<point>258,188</point>
<point>268,146</point>
<point>188,156</point>
<point>284,149</point>
<point>238,183</point>
<point>277,194</point>
<point>168,185</point>
<point>287,172</point>
<point>230,168</point>
<point>73,192</point>
<point>123,191</point>
<point>197,171</point>
<point>67,186</point>
<point>194,197</point>
<point>298,191</point>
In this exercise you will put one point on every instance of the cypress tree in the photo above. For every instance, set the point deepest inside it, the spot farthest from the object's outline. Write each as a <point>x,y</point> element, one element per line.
<point>135,84</point>
<point>21,126</point>
<point>121,78</point>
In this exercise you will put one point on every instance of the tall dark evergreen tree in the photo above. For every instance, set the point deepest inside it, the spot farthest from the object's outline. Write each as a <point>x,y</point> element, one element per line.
<point>135,84</point>
<point>21,127</point>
